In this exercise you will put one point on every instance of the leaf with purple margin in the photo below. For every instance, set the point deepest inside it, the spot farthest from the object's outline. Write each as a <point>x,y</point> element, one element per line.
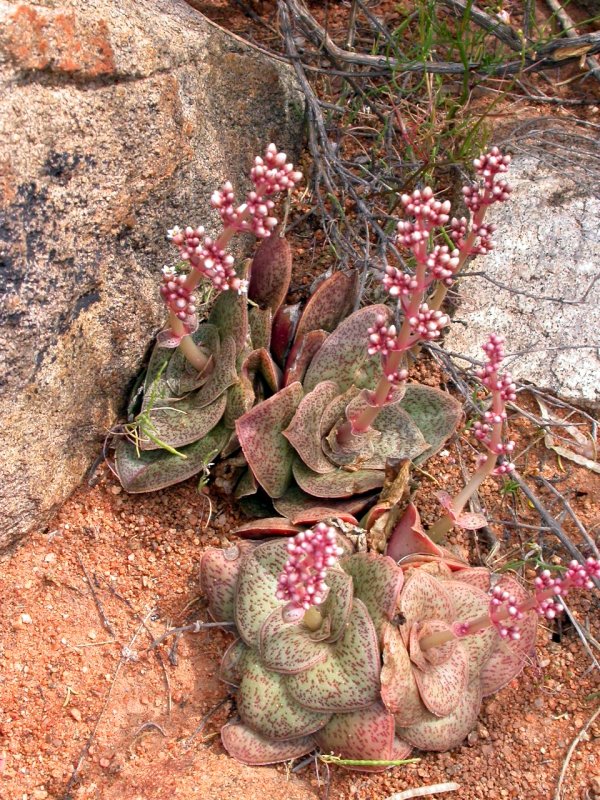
<point>408,537</point>
<point>232,663</point>
<point>249,747</point>
<point>343,358</point>
<point>470,602</point>
<point>336,410</point>
<point>256,587</point>
<point>480,577</point>
<point>156,469</point>
<point>240,398</point>
<point>303,430</point>
<point>219,570</point>
<point>259,362</point>
<point>287,647</point>
<point>301,355</point>
<point>302,509</point>
<point>444,733</point>
<point>378,582</point>
<point>223,375</point>
<point>436,413</point>
<point>283,331</point>
<point>271,526</point>
<point>399,690</point>
<point>442,685</point>
<point>268,452</point>
<point>246,485</point>
<point>180,376</point>
<point>365,735</point>
<point>339,483</point>
<point>331,302</point>
<point>271,272</point>
<point>424,598</point>
<point>348,679</point>
<point>264,705</point>
<point>260,321</point>
<point>230,315</point>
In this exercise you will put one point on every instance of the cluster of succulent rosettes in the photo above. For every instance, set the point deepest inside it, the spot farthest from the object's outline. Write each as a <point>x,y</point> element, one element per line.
<point>360,674</point>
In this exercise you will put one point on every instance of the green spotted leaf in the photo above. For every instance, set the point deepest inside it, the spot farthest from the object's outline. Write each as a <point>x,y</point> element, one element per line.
<point>249,747</point>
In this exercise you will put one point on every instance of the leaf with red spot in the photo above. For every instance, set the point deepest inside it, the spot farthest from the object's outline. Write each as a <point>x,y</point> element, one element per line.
<point>378,583</point>
<point>260,321</point>
<point>302,509</point>
<point>284,327</point>
<point>268,452</point>
<point>331,302</point>
<point>219,569</point>
<point>339,483</point>
<point>408,537</point>
<point>436,413</point>
<point>303,430</point>
<point>230,315</point>
<point>271,526</point>
<point>399,690</point>
<point>230,670</point>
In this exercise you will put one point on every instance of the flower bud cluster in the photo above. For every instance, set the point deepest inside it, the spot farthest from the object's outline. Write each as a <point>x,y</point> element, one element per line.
<point>178,298</point>
<point>302,582</point>
<point>274,173</point>
<point>491,164</point>
<point>398,283</point>
<point>548,588</point>
<point>206,257</point>
<point>397,377</point>
<point>423,206</point>
<point>427,323</point>
<point>488,374</point>
<point>507,623</point>
<point>382,338</point>
<point>442,263</point>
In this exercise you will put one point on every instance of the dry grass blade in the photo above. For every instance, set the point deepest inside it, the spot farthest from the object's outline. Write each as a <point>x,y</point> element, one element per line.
<point>425,791</point>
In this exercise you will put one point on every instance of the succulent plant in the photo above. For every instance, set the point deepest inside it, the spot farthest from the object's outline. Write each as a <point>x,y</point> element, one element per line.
<point>363,657</point>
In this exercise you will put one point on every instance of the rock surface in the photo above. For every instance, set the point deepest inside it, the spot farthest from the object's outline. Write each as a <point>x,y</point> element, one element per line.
<point>547,246</point>
<point>120,117</point>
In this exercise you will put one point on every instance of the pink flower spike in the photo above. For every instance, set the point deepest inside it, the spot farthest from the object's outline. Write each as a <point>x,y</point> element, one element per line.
<point>382,338</point>
<point>302,581</point>
<point>427,323</point>
<point>470,521</point>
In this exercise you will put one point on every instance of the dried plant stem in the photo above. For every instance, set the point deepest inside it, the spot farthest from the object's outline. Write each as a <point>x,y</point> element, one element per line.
<point>425,791</point>
<point>571,750</point>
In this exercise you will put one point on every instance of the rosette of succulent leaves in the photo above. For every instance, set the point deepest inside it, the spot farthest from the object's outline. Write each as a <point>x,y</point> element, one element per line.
<point>317,398</point>
<point>361,657</point>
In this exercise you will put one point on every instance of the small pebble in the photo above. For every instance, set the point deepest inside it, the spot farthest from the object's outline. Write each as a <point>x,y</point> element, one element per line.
<point>50,558</point>
<point>92,635</point>
<point>26,619</point>
<point>104,762</point>
<point>116,489</point>
<point>76,714</point>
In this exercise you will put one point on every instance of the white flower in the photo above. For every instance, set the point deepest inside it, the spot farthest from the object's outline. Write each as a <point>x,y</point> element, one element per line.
<point>172,232</point>
<point>169,272</point>
<point>243,287</point>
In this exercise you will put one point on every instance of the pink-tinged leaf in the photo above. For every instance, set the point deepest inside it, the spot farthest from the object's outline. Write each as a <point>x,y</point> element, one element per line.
<point>256,587</point>
<point>285,323</point>
<point>303,431</point>
<point>271,272</point>
<point>246,486</point>
<point>399,690</point>
<point>302,509</point>
<point>223,375</point>
<point>338,603</point>
<point>259,362</point>
<point>180,376</point>
<point>264,705</point>
<point>287,647</point>
<point>260,321</point>
<point>343,358</point>
<point>250,748</point>
<point>339,483</point>
<point>471,602</point>
<point>479,577</point>
<point>378,583</point>
<point>509,657</point>
<point>331,302</point>
<point>436,413</point>
<point>219,570</point>
<point>348,679</point>
<point>151,470</point>
<point>366,735</point>
<point>468,520</point>
<point>424,598</point>
<point>335,411</point>
<point>268,452</point>
<point>441,685</point>
<point>230,315</point>
<point>409,538</point>
<point>271,526</point>
<point>301,355</point>
<point>444,733</point>
<point>232,663</point>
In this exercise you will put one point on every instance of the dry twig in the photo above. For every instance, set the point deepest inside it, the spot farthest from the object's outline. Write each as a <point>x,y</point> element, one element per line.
<point>571,750</point>
<point>425,791</point>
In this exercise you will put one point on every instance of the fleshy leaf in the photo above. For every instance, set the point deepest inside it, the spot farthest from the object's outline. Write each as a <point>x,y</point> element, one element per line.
<point>336,410</point>
<point>285,323</point>
<point>366,735</point>
<point>287,647</point>
<point>230,315</point>
<point>470,602</point>
<point>338,603</point>
<point>510,656</point>
<point>339,483</point>
<point>409,538</point>
<point>260,321</point>
<point>271,272</point>
<point>399,690</point>
<point>264,705</point>
<point>268,452</point>
<point>180,376</point>
<point>343,358</point>
<point>444,733</point>
<point>442,685</point>
<point>246,485</point>
<point>156,469</point>
<point>232,663</point>
<point>271,526</point>
<point>480,577</point>
<point>183,421</point>
<point>240,398</point>
<point>348,679</point>
<point>219,569</point>
<point>436,413</point>
<point>256,586</point>
<point>424,598</point>
<point>223,375</point>
<point>259,362</point>
<point>303,431</point>
<point>302,509</point>
<point>301,355</point>
<point>331,302</point>
<point>249,747</point>
<point>378,583</point>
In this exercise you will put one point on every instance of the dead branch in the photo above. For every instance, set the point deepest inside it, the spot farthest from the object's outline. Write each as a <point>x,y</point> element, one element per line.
<point>97,601</point>
<point>569,27</point>
<point>571,750</point>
